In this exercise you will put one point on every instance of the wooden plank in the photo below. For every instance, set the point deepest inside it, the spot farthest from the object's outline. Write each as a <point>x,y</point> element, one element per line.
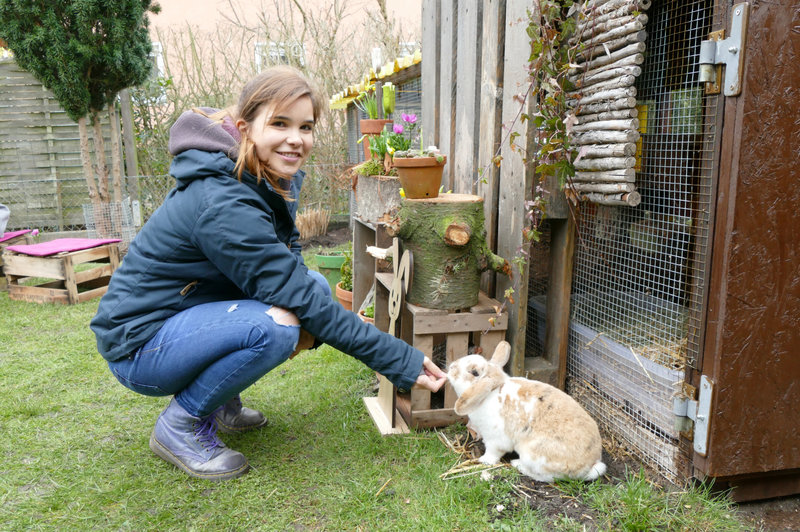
<point>35,294</point>
<point>515,179</point>
<point>559,290</point>
<point>467,118</point>
<point>91,254</point>
<point>457,347</point>
<point>457,322</point>
<point>91,294</point>
<point>23,265</point>
<point>447,86</point>
<point>382,421</point>
<point>93,273</point>
<point>491,93</point>
<point>420,397</point>
<point>431,58</point>
<point>488,342</point>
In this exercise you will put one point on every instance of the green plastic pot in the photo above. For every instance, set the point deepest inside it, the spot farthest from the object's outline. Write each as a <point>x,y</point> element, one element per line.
<point>330,266</point>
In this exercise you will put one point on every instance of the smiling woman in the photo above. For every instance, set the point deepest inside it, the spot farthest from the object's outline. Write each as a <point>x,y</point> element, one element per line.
<point>283,138</point>
<point>214,292</point>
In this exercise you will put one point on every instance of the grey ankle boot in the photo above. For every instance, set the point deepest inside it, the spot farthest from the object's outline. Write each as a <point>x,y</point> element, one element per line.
<point>191,443</point>
<point>233,418</point>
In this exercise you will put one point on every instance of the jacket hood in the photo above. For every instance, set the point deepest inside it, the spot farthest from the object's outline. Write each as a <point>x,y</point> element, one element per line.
<point>194,131</point>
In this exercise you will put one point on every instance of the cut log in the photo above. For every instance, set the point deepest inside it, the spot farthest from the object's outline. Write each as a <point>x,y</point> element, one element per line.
<point>631,60</point>
<point>632,25</point>
<point>447,238</point>
<point>590,16</point>
<point>604,188</point>
<point>603,60</point>
<point>614,105</point>
<point>601,96</point>
<point>628,175</point>
<point>582,79</point>
<point>606,48</point>
<point>627,199</point>
<point>617,125</point>
<point>591,29</point>
<point>608,150</point>
<point>622,114</point>
<point>605,137</point>
<point>606,163</point>
<point>613,83</point>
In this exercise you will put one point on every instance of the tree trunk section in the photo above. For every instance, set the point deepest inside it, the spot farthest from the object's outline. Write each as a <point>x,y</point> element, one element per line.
<point>116,160</point>
<point>447,237</point>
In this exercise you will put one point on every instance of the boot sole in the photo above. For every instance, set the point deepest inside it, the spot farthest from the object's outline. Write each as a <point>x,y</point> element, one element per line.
<point>165,454</point>
<point>227,429</point>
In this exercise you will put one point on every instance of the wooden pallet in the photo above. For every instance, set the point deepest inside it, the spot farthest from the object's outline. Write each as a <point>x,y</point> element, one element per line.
<point>394,411</point>
<point>19,239</point>
<point>66,286</point>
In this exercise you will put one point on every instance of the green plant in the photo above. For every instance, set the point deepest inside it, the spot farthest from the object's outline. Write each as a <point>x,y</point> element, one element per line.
<point>367,102</point>
<point>346,271</point>
<point>369,311</point>
<point>86,53</point>
<point>374,167</point>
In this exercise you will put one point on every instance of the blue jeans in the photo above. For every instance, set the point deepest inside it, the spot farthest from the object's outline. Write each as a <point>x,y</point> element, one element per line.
<point>209,353</point>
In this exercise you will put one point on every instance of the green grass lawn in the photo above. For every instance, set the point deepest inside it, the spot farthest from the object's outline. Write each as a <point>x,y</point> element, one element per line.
<point>76,455</point>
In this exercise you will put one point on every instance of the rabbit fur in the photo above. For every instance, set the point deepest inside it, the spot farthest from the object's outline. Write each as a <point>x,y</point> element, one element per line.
<point>552,434</point>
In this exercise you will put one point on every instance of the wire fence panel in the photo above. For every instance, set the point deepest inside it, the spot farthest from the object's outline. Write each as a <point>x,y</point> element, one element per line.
<point>639,273</point>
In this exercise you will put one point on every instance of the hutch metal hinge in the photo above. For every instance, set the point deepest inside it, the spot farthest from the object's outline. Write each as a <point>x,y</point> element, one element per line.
<point>698,411</point>
<point>728,52</point>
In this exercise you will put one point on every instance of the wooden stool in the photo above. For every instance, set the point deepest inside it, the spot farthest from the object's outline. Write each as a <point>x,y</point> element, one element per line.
<point>426,329</point>
<point>68,286</point>
<point>16,237</point>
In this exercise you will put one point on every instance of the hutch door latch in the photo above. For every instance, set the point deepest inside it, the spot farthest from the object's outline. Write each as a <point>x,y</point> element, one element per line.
<point>698,411</point>
<point>728,52</point>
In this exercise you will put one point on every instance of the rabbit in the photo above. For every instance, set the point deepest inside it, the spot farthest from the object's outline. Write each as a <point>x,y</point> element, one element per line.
<point>552,434</point>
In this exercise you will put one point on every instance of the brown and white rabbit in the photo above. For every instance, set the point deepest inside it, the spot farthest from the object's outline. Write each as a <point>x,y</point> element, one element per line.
<point>552,434</point>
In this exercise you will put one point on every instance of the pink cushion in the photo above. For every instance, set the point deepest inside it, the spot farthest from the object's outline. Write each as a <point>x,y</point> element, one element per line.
<point>12,234</point>
<point>60,245</point>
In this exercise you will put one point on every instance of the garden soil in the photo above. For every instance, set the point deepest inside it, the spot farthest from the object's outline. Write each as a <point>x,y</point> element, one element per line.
<point>776,515</point>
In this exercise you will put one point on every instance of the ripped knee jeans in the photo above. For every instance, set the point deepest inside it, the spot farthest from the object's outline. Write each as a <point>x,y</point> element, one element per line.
<point>209,353</point>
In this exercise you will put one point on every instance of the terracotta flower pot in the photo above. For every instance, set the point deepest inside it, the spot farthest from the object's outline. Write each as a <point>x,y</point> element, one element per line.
<point>364,318</point>
<point>345,297</point>
<point>420,177</point>
<point>370,126</point>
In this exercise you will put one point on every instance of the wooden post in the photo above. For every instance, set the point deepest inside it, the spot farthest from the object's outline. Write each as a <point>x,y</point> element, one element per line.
<point>559,290</point>
<point>464,157</point>
<point>490,131</point>
<point>430,78</point>
<point>515,181</point>
<point>447,84</point>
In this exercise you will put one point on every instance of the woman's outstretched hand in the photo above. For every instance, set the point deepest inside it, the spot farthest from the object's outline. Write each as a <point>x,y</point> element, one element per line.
<point>431,376</point>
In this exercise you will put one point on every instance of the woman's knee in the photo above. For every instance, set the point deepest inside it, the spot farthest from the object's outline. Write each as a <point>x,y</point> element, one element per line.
<point>286,332</point>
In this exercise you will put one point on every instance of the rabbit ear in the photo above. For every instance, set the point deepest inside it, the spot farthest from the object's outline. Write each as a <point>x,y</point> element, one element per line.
<point>501,354</point>
<point>475,394</point>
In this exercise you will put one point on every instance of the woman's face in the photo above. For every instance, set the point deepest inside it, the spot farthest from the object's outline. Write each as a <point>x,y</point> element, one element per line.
<point>283,140</point>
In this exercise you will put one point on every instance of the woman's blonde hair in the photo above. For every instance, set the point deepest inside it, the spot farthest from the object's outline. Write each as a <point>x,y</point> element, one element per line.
<point>278,86</point>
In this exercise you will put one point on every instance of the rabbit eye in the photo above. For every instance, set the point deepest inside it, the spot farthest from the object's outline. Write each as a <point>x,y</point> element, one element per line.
<point>474,372</point>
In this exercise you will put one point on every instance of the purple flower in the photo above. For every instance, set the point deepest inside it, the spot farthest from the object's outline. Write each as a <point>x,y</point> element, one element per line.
<point>35,232</point>
<point>398,128</point>
<point>409,119</point>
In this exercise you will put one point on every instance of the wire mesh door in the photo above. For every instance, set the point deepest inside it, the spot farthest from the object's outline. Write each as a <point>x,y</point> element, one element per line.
<point>639,272</point>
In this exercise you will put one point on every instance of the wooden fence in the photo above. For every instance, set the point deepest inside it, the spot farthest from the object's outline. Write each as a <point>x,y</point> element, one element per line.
<point>474,81</point>
<point>41,177</point>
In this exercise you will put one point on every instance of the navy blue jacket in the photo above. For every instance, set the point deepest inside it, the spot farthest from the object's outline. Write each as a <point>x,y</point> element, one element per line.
<point>216,238</point>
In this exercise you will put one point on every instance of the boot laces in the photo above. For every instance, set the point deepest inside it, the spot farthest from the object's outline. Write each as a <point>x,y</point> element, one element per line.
<point>206,433</point>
